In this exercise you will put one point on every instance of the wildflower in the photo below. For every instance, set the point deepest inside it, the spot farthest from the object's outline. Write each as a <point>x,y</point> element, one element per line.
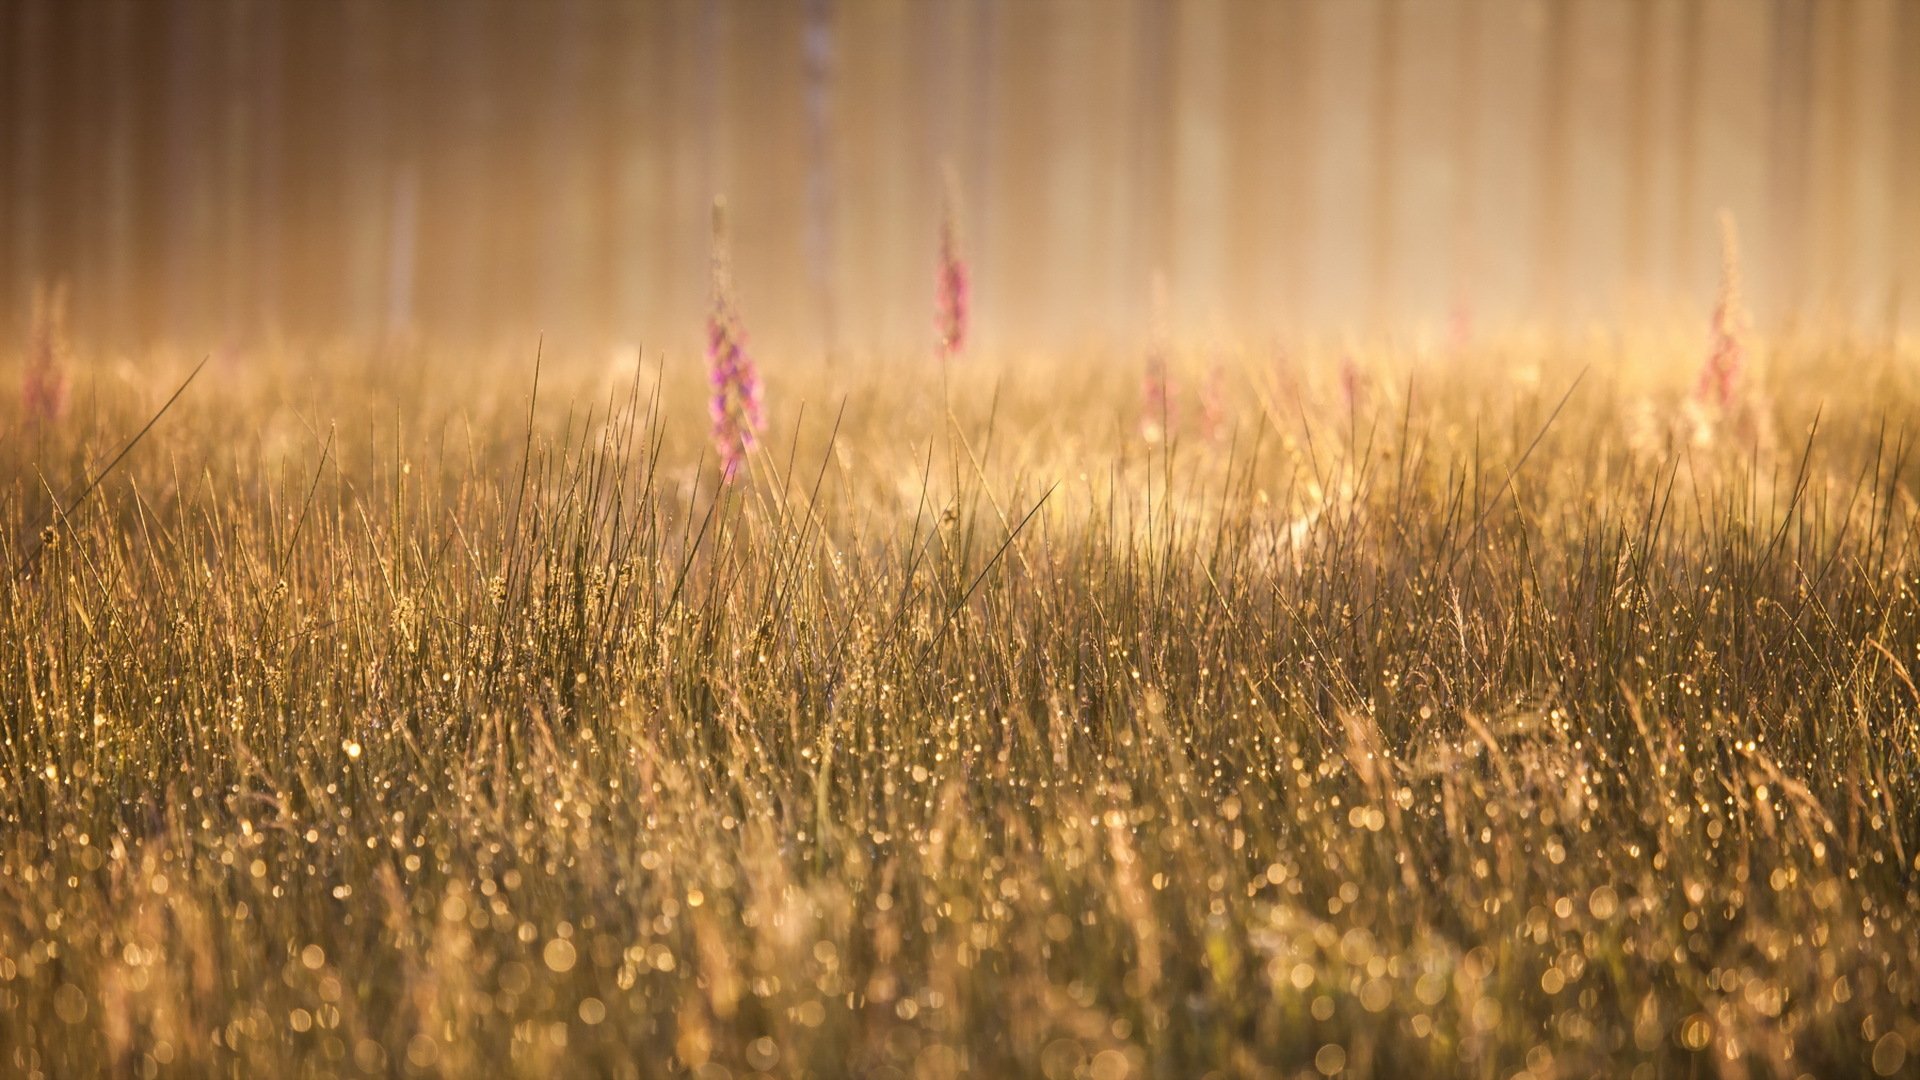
<point>735,405</point>
<point>1353,387</point>
<point>951,290</point>
<point>43,386</point>
<point>1726,349</point>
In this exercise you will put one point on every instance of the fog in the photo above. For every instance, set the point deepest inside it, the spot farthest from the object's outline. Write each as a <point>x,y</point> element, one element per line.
<point>219,173</point>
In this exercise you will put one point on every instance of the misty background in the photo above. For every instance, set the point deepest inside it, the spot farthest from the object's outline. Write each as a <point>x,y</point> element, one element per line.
<point>218,172</point>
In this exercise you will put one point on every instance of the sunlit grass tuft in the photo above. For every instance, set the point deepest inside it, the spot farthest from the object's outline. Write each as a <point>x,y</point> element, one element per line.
<point>1489,722</point>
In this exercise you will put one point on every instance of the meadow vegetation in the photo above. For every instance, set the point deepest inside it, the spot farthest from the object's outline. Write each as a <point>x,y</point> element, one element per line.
<point>1501,709</point>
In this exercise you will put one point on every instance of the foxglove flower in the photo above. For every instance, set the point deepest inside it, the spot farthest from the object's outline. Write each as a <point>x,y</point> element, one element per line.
<point>734,407</point>
<point>1726,348</point>
<point>951,292</point>
<point>1353,384</point>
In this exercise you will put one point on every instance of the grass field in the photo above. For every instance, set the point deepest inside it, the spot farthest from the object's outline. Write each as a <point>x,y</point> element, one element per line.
<point>1494,712</point>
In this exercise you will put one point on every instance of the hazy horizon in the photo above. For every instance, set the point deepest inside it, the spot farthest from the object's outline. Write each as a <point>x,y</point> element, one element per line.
<point>208,173</point>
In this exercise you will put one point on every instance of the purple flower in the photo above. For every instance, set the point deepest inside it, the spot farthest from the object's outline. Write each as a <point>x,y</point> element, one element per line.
<point>735,407</point>
<point>1726,352</point>
<point>1353,386</point>
<point>950,304</point>
<point>1721,372</point>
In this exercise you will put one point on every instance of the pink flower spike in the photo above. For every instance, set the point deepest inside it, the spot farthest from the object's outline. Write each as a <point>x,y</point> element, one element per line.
<point>1726,348</point>
<point>1353,386</point>
<point>735,407</point>
<point>951,284</point>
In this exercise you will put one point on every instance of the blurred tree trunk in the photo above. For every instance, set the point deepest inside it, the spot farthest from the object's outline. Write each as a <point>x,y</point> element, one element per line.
<point>1688,227</point>
<point>122,190</point>
<point>1152,144</point>
<point>189,206</point>
<point>689,106</point>
<point>76,160</point>
<point>817,56</point>
<point>1255,68</point>
<point>456,237</point>
<point>981,130</point>
<point>901,171</point>
<point>26,78</point>
<point>1835,190</point>
<point>1466,158</point>
<point>1384,162</point>
<point>406,140</point>
<point>238,258</point>
<point>1554,144</point>
<point>1638,151</point>
<point>1904,157</point>
<point>633,155</point>
<point>269,135</point>
<point>148,145</point>
<point>1091,80</point>
<point>1787,169</point>
<point>12,297</point>
<point>562,196</point>
<point>75,166</point>
<point>1020,145</point>
<point>368,173</point>
<point>1298,115</point>
<point>1199,156</point>
<point>316,286</point>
